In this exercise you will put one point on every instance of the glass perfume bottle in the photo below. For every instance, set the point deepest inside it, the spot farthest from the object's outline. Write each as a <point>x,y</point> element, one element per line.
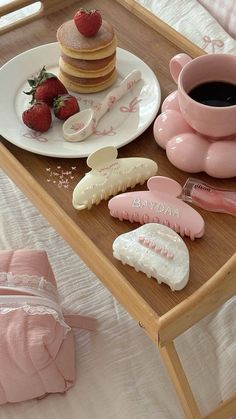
<point>208,197</point>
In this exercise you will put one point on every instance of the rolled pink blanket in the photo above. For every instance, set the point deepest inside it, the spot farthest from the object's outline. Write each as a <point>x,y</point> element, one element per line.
<point>37,351</point>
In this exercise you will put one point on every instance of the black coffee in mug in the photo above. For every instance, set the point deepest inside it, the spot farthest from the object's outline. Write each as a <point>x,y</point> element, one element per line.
<point>214,93</point>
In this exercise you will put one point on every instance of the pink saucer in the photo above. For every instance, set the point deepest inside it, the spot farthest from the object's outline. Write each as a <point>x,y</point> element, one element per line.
<point>189,150</point>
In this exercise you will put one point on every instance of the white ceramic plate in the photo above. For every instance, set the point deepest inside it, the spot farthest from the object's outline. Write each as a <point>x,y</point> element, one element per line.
<point>122,124</point>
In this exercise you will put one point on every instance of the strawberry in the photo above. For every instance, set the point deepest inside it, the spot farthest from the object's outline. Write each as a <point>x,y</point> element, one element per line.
<point>45,87</point>
<point>65,106</point>
<point>38,117</point>
<point>88,22</point>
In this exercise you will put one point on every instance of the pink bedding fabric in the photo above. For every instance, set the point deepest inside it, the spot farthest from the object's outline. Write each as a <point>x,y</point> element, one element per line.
<point>224,11</point>
<point>35,357</point>
<point>31,262</point>
<point>37,354</point>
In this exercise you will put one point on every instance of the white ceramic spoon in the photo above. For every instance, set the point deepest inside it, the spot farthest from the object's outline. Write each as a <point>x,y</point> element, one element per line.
<point>82,124</point>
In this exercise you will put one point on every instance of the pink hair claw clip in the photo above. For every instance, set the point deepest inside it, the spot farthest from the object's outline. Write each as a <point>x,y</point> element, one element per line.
<point>160,204</point>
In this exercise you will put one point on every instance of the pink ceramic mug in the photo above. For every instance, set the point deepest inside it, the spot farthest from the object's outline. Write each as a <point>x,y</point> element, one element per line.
<point>212,121</point>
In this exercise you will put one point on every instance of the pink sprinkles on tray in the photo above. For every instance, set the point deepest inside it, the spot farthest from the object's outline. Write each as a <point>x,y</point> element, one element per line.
<point>60,178</point>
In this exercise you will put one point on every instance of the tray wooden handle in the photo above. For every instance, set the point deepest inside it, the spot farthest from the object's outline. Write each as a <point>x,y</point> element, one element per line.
<point>46,7</point>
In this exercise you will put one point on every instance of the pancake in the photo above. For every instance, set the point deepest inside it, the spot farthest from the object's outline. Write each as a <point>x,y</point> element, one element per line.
<point>86,80</point>
<point>73,71</point>
<point>91,55</point>
<point>70,38</point>
<point>87,64</point>
<point>83,88</point>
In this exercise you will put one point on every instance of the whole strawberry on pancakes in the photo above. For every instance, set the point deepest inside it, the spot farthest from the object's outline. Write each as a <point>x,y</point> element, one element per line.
<point>88,52</point>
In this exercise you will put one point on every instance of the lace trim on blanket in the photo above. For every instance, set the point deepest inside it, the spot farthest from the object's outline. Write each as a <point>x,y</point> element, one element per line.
<point>8,279</point>
<point>36,311</point>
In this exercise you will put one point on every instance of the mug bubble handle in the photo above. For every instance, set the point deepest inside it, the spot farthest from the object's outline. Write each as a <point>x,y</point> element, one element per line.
<point>177,63</point>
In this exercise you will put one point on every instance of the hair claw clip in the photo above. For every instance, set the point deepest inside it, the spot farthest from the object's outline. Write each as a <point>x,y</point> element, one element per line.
<point>157,251</point>
<point>160,204</point>
<point>110,175</point>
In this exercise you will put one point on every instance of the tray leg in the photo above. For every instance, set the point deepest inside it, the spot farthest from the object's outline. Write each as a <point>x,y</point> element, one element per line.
<point>209,297</point>
<point>174,366</point>
<point>179,379</point>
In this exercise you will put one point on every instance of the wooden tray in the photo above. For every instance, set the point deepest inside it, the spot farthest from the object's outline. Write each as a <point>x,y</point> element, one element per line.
<point>163,315</point>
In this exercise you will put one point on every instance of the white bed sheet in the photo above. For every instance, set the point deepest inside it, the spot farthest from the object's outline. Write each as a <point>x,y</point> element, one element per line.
<point>194,21</point>
<point>119,371</point>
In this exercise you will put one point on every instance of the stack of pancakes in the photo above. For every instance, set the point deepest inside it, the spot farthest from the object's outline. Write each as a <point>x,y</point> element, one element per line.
<point>87,64</point>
